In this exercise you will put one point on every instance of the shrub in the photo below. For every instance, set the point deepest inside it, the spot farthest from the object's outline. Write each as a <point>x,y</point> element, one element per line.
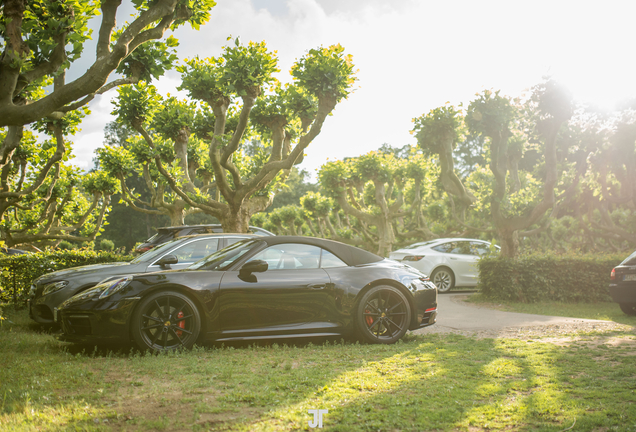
<point>17,271</point>
<point>106,245</point>
<point>66,245</point>
<point>548,277</point>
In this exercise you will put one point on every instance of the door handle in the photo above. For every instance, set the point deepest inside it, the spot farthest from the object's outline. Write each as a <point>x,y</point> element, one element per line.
<point>453,258</point>
<point>317,286</point>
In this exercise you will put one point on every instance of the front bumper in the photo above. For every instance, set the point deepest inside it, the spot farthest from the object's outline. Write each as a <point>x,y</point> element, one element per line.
<point>96,321</point>
<point>425,308</point>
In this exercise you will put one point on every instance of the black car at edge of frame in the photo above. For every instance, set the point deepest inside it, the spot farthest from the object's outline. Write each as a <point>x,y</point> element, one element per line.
<point>623,284</point>
<point>258,288</point>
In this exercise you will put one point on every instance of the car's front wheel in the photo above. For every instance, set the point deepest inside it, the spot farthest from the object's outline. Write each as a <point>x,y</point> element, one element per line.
<point>628,308</point>
<point>444,279</point>
<point>166,321</point>
<point>383,315</point>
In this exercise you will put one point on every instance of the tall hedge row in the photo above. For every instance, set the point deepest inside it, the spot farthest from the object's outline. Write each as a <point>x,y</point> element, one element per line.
<point>534,278</point>
<point>17,271</point>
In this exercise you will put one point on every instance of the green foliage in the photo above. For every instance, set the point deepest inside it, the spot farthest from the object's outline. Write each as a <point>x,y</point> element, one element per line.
<point>548,277</point>
<point>136,104</point>
<point>153,59</point>
<point>19,270</point>
<point>106,245</point>
<point>326,72</point>
<point>439,126</point>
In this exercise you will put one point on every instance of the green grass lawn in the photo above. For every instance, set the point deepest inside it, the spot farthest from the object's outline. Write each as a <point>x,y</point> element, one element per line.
<point>432,382</point>
<point>602,311</point>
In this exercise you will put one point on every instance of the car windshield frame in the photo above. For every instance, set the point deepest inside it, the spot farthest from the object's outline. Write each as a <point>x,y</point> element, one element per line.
<point>150,255</point>
<point>627,261</point>
<point>224,258</point>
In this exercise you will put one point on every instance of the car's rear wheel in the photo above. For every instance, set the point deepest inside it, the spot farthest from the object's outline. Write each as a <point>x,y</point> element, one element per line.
<point>444,279</point>
<point>166,321</point>
<point>383,315</point>
<point>628,308</point>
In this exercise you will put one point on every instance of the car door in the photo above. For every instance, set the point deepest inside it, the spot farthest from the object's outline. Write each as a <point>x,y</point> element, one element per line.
<point>464,264</point>
<point>293,295</point>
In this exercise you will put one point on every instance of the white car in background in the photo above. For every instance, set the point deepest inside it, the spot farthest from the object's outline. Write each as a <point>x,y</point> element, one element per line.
<point>450,262</point>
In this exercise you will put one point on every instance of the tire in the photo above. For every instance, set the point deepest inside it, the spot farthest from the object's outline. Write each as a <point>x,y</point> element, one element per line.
<point>444,279</point>
<point>383,315</point>
<point>628,308</point>
<point>157,326</point>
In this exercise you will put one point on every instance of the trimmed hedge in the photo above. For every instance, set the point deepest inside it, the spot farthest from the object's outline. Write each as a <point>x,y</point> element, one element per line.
<point>17,271</point>
<point>534,278</point>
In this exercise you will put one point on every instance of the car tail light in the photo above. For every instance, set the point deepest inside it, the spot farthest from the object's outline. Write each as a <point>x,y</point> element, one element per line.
<point>613,274</point>
<point>412,257</point>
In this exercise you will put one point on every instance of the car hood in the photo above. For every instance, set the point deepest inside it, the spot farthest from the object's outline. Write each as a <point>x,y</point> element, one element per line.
<point>101,269</point>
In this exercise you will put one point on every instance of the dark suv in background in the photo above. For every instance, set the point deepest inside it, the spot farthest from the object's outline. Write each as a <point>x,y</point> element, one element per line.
<point>168,233</point>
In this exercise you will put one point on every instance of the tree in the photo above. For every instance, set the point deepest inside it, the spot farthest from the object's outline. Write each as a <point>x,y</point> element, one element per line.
<point>370,188</point>
<point>39,42</point>
<point>229,155</point>
<point>497,118</point>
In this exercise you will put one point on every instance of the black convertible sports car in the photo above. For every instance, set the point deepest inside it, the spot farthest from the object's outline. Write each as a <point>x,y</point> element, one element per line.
<point>259,288</point>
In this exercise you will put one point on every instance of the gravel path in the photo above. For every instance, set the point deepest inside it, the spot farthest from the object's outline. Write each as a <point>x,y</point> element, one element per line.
<point>458,317</point>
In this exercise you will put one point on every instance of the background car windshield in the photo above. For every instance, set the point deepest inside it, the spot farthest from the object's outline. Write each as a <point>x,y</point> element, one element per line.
<point>154,253</point>
<point>222,259</point>
<point>630,260</point>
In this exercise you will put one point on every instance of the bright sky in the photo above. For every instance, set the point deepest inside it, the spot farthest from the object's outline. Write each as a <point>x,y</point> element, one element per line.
<point>416,55</point>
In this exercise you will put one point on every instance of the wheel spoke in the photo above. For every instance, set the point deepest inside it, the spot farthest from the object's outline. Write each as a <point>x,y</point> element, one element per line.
<point>152,326</point>
<point>153,318</point>
<point>376,322</point>
<point>373,306</point>
<point>176,311</point>
<point>159,333</point>
<point>183,318</point>
<point>394,324</point>
<point>167,314</point>
<point>165,339</point>
<point>397,304</point>
<point>182,330</point>
<point>177,336</point>
<point>370,314</point>
<point>160,310</point>
<point>397,313</point>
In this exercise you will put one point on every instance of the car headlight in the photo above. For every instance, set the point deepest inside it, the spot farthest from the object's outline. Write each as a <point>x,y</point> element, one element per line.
<point>114,286</point>
<point>53,287</point>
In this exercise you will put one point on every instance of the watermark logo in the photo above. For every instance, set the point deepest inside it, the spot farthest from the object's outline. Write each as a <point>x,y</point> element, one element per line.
<point>317,421</point>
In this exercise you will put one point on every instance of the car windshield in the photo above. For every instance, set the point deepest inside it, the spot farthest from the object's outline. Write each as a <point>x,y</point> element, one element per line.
<point>222,259</point>
<point>154,253</point>
<point>630,260</point>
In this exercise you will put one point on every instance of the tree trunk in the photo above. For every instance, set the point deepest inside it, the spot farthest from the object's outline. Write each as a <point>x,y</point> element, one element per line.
<point>509,240</point>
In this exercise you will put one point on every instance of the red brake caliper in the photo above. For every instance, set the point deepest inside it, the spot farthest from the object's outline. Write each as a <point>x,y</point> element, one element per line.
<point>368,318</point>
<point>180,323</point>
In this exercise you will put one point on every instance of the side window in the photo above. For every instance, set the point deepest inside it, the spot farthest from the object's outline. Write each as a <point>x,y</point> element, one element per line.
<point>461,248</point>
<point>196,250</point>
<point>290,256</point>
<point>479,249</point>
<point>445,247</point>
<point>329,260</point>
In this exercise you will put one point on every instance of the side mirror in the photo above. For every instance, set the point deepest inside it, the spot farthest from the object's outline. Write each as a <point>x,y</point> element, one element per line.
<point>167,260</point>
<point>256,266</point>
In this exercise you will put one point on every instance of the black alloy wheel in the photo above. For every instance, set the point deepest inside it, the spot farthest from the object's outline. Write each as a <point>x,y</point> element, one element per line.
<point>166,321</point>
<point>628,308</point>
<point>444,279</point>
<point>383,315</point>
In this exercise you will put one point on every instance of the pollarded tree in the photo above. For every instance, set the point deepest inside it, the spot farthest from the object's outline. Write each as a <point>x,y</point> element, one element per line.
<point>369,188</point>
<point>34,208</point>
<point>252,138</point>
<point>41,39</point>
<point>498,118</point>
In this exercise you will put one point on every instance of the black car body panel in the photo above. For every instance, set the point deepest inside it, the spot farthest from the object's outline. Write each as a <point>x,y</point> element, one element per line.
<point>79,279</point>
<point>623,286</point>
<point>272,304</point>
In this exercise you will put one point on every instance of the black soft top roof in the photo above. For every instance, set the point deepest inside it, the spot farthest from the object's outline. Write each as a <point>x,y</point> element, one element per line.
<point>351,255</point>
